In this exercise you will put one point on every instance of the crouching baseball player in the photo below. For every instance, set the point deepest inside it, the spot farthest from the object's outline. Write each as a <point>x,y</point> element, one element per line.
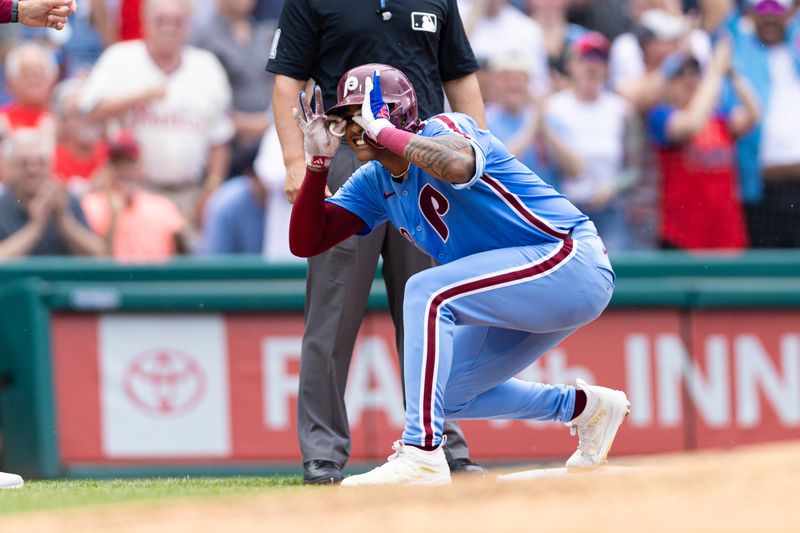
<point>521,267</point>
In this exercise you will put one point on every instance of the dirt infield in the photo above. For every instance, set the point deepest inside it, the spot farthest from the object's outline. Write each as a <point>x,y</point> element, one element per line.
<point>748,489</point>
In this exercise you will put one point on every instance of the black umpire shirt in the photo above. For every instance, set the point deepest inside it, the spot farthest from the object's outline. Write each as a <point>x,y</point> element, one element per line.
<point>322,39</point>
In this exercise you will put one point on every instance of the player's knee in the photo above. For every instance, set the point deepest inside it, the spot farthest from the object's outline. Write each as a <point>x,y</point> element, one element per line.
<point>419,289</point>
<point>453,408</point>
<point>456,400</point>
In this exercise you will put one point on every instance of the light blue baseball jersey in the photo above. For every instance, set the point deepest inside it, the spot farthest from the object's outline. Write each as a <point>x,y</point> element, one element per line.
<point>504,205</point>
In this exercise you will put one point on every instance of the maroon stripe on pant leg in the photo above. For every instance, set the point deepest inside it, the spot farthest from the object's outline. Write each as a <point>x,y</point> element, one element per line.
<point>458,290</point>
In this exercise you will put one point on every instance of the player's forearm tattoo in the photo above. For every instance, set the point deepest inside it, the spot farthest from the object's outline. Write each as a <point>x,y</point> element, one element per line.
<point>449,158</point>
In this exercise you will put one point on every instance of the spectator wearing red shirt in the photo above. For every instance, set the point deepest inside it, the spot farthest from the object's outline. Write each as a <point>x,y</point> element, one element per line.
<point>130,20</point>
<point>700,203</point>
<point>80,151</point>
<point>31,73</point>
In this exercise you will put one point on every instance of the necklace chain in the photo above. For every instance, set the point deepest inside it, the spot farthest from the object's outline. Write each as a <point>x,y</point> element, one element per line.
<point>403,173</point>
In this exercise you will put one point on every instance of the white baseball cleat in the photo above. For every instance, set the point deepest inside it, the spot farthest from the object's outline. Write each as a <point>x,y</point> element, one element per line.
<point>10,481</point>
<point>597,426</point>
<point>406,466</point>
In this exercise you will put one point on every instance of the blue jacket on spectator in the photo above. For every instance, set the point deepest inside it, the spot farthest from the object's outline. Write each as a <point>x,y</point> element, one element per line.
<point>750,59</point>
<point>234,220</point>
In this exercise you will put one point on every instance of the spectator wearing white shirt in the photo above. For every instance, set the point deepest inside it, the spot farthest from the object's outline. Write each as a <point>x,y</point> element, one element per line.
<point>599,126</point>
<point>175,98</point>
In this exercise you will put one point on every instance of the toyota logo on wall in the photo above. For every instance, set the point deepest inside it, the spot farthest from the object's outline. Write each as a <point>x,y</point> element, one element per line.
<point>164,382</point>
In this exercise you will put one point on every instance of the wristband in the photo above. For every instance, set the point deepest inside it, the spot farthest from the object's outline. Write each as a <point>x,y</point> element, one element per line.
<point>14,11</point>
<point>395,140</point>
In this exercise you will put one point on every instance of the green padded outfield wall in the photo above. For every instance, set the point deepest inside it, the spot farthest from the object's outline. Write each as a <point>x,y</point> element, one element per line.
<point>671,312</point>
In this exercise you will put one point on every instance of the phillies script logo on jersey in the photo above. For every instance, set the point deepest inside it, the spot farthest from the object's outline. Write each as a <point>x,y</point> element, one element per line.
<point>434,205</point>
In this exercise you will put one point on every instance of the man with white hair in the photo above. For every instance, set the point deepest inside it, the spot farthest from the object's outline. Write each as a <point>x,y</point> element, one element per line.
<point>176,100</point>
<point>80,150</point>
<point>31,73</point>
<point>37,216</point>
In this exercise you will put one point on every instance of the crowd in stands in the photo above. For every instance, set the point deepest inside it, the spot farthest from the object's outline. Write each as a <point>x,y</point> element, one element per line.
<point>144,130</point>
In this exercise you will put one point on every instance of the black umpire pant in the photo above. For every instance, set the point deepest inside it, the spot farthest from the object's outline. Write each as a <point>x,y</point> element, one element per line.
<point>337,289</point>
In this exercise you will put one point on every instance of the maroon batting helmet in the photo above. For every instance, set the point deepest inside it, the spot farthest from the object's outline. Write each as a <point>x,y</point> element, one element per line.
<point>397,92</point>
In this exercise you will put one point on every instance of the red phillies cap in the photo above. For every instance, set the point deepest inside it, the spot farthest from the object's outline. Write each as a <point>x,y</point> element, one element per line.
<point>123,144</point>
<point>592,44</point>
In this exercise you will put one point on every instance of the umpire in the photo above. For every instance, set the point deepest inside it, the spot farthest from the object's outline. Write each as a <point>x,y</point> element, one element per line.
<point>320,40</point>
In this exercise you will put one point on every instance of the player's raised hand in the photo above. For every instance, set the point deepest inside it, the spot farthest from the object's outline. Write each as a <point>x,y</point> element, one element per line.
<point>46,13</point>
<point>374,110</point>
<point>321,133</point>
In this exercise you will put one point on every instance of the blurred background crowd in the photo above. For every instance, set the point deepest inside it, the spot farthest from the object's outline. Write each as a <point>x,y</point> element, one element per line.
<point>143,130</point>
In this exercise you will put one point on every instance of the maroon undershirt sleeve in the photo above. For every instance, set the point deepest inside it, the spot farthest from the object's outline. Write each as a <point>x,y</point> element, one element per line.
<point>317,225</point>
<point>5,11</point>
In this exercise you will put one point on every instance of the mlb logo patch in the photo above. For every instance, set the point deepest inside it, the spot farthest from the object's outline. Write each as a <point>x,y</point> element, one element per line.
<point>273,50</point>
<point>423,22</point>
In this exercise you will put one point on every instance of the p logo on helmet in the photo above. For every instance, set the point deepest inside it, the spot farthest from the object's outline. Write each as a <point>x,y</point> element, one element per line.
<point>350,85</point>
<point>397,90</point>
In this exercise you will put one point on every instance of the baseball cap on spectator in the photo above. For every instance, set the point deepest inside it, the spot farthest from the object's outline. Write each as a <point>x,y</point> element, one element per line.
<point>675,64</point>
<point>591,45</point>
<point>770,7</point>
<point>661,25</point>
<point>123,145</point>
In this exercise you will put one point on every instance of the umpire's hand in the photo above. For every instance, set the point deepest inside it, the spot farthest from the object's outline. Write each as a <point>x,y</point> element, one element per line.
<point>46,13</point>
<point>294,180</point>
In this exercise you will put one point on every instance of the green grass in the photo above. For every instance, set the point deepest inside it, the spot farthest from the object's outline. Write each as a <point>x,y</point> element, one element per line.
<point>41,495</point>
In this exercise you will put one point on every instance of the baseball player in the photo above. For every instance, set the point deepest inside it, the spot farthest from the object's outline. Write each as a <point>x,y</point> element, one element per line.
<point>321,41</point>
<point>521,268</point>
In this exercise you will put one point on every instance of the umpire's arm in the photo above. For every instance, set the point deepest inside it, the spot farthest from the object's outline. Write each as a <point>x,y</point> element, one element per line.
<point>464,96</point>
<point>284,98</point>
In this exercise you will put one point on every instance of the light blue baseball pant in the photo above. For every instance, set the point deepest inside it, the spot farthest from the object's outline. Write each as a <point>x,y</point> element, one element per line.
<point>473,324</point>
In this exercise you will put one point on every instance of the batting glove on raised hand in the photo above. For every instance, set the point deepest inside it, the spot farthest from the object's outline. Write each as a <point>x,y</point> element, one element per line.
<point>321,133</point>
<point>374,111</point>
